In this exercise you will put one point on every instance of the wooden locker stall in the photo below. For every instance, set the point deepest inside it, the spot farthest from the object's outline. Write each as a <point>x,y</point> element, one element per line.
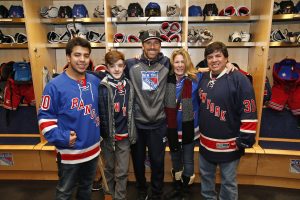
<point>254,56</point>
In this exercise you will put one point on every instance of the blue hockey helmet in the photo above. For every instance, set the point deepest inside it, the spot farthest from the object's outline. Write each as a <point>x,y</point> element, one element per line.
<point>79,11</point>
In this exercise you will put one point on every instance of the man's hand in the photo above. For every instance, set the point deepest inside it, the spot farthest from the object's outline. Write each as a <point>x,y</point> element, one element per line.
<point>73,138</point>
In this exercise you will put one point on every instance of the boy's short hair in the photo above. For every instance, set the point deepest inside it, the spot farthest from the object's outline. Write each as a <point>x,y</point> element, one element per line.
<point>112,57</point>
<point>77,41</point>
<point>216,46</point>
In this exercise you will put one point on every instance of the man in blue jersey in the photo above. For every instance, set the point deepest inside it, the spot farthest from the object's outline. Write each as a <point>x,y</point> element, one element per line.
<point>227,123</point>
<point>68,119</point>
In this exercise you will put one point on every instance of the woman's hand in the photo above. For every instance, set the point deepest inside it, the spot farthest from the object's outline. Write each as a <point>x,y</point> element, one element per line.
<point>202,70</point>
<point>230,68</point>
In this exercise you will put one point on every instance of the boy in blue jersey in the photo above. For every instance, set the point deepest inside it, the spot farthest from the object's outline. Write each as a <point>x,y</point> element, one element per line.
<point>116,96</point>
<point>68,118</point>
<point>227,123</point>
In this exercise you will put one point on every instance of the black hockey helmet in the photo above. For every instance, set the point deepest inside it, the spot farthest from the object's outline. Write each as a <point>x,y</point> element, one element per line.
<point>135,10</point>
<point>65,12</point>
<point>210,9</point>
<point>287,7</point>
<point>3,12</point>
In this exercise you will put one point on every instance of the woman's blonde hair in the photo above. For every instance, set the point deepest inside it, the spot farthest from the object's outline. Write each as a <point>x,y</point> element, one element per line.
<point>190,70</point>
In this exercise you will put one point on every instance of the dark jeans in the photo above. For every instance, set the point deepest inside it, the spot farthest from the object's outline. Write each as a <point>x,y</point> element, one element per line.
<point>72,175</point>
<point>183,159</point>
<point>155,141</point>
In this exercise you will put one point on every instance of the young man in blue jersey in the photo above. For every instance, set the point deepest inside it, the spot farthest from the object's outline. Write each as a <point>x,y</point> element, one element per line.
<point>149,77</point>
<point>68,119</point>
<point>227,123</point>
<point>116,97</point>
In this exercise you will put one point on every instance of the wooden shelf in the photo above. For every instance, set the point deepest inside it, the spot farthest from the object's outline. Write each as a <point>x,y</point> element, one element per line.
<point>224,19</point>
<point>139,44</point>
<point>144,20</point>
<point>12,21</point>
<point>71,20</point>
<point>13,46</point>
<point>286,17</point>
<point>228,44</point>
<point>284,44</point>
<point>63,45</point>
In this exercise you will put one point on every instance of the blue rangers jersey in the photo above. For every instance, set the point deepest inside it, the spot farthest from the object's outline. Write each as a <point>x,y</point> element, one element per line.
<point>228,118</point>
<point>70,105</point>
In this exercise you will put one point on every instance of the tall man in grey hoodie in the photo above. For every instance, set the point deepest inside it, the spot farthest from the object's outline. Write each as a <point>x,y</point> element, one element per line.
<point>149,77</point>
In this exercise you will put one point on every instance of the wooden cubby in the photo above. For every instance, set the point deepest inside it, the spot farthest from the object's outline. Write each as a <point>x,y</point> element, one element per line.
<point>259,166</point>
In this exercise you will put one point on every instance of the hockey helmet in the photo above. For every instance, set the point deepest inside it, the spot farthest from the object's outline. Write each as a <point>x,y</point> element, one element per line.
<point>195,11</point>
<point>210,9</point>
<point>3,12</point>
<point>79,11</point>
<point>135,10</point>
<point>287,7</point>
<point>65,12</point>
<point>152,10</point>
<point>297,7</point>
<point>276,8</point>
<point>16,12</point>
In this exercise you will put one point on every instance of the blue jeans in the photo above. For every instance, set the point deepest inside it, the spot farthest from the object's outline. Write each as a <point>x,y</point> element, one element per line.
<point>72,175</point>
<point>184,159</point>
<point>229,188</point>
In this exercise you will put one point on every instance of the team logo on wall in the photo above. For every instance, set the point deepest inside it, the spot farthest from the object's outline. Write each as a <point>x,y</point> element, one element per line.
<point>149,80</point>
<point>295,166</point>
<point>6,159</point>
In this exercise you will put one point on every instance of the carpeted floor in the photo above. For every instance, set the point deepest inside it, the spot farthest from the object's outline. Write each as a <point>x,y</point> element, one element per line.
<point>44,190</point>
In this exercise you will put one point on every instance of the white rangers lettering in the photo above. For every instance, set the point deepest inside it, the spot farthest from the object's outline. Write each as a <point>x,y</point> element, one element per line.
<point>87,109</point>
<point>117,107</point>
<point>74,103</point>
<point>216,110</point>
<point>81,105</point>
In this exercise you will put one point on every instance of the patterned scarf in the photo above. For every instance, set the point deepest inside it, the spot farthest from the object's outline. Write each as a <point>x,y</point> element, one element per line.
<point>171,107</point>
